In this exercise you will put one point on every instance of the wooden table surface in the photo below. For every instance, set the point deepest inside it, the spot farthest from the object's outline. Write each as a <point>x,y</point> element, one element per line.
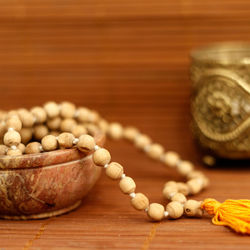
<point>129,60</point>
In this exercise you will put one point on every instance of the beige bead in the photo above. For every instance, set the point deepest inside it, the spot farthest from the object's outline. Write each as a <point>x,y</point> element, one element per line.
<point>93,116</point>
<point>141,141</point>
<point>26,118</point>
<point>21,147</point>
<point>26,135</point>
<point>103,125</point>
<point>79,130</point>
<point>68,110</point>
<point>175,209</point>
<point>127,185</point>
<point>171,183</point>
<point>49,143</point>
<point>83,115</point>
<point>179,197</point>
<point>68,124</point>
<point>183,188</point>
<point>92,129</point>
<point>195,185</point>
<point>185,167</point>
<point>169,191</point>
<point>52,109</point>
<point>14,152</point>
<point>140,201</point>
<point>195,174</point>
<point>86,143</point>
<point>192,208</point>
<point>39,114</point>
<point>14,122</point>
<point>130,133</point>
<point>40,131</point>
<point>33,148</point>
<point>171,158</point>
<point>55,133</point>
<point>2,128</point>
<point>65,140</point>
<point>54,123</point>
<point>114,170</point>
<point>155,211</point>
<point>155,151</point>
<point>3,149</point>
<point>12,138</point>
<point>101,157</point>
<point>115,131</point>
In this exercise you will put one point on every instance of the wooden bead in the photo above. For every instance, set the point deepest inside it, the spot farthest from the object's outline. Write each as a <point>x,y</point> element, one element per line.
<point>68,124</point>
<point>185,167</point>
<point>21,147</point>
<point>130,133</point>
<point>79,130</point>
<point>83,114</point>
<point>54,123</point>
<point>68,110</point>
<point>49,143</point>
<point>183,188</point>
<point>33,148</point>
<point>3,149</point>
<point>171,158</point>
<point>169,191</point>
<point>103,125</point>
<point>26,135</point>
<point>14,122</point>
<point>2,128</point>
<point>92,129</point>
<point>101,157</point>
<point>175,209</point>
<point>11,138</point>
<point>40,131</point>
<point>65,140</point>
<point>114,170</point>
<point>86,143</point>
<point>195,185</point>
<point>115,131</point>
<point>55,133</point>
<point>26,118</point>
<point>39,114</point>
<point>155,151</point>
<point>141,141</point>
<point>140,201</point>
<point>171,183</point>
<point>14,152</point>
<point>127,185</point>
<point>192,208</point>
<point>195,174</point>
<point>155,211</point>
<point>93,116</point>
<point>52,109</point>
<point>179,197</point>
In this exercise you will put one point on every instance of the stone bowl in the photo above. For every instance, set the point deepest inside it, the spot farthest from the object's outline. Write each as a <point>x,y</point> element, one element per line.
<point>46,184</point>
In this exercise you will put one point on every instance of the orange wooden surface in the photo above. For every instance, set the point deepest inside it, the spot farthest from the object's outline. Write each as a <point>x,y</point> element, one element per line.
<point>129,60</point>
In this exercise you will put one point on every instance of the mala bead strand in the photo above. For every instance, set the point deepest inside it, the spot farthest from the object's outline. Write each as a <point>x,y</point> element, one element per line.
<point>64,126</point>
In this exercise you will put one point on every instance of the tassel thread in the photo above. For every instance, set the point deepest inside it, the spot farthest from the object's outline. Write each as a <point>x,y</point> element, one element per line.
<point>232,213</point>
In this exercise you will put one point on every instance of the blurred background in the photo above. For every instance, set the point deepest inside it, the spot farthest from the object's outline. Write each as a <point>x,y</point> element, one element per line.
<point>127,59</point>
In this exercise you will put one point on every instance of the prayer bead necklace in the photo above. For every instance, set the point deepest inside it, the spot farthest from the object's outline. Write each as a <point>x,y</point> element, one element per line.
<point>55,126</point>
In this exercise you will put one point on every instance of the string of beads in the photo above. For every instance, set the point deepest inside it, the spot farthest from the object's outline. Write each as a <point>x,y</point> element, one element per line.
<point>55,126</point>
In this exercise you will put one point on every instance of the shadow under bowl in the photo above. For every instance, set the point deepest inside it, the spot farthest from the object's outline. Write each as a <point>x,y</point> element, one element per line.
<point>47,184</point>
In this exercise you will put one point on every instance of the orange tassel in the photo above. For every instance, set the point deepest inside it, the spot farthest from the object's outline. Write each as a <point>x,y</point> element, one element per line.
<point>231,213</point>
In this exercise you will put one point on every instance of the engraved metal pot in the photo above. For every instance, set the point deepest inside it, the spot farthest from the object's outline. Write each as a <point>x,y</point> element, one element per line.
<point>220,104</point>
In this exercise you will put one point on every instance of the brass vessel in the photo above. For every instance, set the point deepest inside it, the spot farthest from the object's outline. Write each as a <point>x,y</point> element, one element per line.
<point>220,105</point>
